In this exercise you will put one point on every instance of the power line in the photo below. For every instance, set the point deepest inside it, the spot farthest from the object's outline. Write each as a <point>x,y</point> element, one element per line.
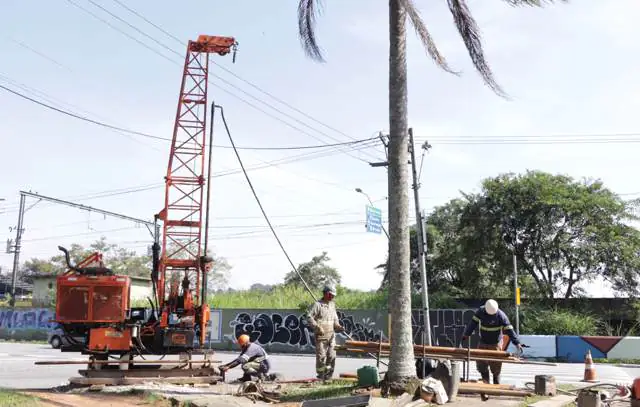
<point>212,74</point>
<point>138,133</point>
<point>176,39</point>
<point>79,117</point>
<point>255,195</point>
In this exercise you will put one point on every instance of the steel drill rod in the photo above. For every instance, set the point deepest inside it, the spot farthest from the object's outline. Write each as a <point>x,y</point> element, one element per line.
<point>493,392</point>
<point>118,362</point>
<point>433,349</point>
<point>462,357</point>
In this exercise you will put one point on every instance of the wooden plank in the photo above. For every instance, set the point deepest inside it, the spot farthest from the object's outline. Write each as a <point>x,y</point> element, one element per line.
<point>87,381</point>
<point>149,373</point>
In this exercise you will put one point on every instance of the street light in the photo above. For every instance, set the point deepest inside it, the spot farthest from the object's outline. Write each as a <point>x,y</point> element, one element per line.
<point>360,191</point>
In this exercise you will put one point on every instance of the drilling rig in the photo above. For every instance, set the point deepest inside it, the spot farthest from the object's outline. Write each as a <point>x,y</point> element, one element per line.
<point>94,303</point>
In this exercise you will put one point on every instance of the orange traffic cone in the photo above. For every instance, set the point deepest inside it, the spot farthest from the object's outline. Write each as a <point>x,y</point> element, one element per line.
<point>589,369</point>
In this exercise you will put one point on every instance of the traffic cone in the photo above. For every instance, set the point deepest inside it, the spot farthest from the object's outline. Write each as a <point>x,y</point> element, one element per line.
<point>589,369</point>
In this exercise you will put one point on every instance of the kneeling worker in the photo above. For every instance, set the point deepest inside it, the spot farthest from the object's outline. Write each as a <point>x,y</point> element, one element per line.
<point>253,358</point>
<point>492,322</point>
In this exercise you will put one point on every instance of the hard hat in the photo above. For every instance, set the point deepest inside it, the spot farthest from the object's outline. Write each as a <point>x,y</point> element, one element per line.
<point>491,306</point>
<point>329,289</point>
<point>243,340</point>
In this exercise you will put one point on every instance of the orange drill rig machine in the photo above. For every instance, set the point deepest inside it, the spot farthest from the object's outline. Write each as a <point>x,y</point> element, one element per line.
<point>94,303</point>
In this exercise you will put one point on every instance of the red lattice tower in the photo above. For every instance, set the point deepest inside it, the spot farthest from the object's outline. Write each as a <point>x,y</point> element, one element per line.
<point>185,181</point>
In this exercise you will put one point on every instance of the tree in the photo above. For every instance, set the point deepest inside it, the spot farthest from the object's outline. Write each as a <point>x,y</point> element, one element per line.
<point>316,273</point>
<point>564,232</point>
<point>401,363</point>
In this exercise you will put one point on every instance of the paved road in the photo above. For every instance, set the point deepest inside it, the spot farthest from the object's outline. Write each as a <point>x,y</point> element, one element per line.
<point>17,369</point>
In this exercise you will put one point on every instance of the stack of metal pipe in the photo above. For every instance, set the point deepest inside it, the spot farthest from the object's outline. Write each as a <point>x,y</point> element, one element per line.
<point>440,352</point>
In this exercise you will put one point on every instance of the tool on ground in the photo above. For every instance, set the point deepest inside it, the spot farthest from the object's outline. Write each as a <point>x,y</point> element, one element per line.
<point>92,302</point>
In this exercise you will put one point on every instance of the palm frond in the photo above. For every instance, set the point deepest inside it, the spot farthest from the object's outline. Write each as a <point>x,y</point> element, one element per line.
<point>470,33</point>
<point>425,36</point>
<point>534,3</point>
<point>307,12</point>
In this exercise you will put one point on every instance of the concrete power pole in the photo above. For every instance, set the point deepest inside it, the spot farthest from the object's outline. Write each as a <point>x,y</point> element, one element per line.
<point>422,241</point>
<point>16,250</point>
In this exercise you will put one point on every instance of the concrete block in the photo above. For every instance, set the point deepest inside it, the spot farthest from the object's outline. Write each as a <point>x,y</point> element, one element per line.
<point>557,401</point>
<point>589,398</point>
<point>545,385</point>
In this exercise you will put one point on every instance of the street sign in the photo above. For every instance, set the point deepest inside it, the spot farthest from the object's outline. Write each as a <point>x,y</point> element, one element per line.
<point>374,220</point>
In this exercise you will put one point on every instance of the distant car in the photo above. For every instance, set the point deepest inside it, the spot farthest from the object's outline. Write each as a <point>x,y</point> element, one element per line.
<point>56,338</point>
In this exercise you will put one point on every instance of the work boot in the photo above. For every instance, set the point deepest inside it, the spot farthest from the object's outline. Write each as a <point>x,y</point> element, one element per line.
<point>245,378</point>
<point>496,379</point>
<point>485,379</point>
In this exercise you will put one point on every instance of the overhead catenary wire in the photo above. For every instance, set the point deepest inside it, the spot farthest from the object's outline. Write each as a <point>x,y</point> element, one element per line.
<point>255,195</point>
<point>266,218</point>
<point>230,72</point>
<point>211,74</point>
<point>147,135</point>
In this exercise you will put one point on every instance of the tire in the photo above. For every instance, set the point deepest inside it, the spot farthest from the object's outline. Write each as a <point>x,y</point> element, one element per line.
<point>56,342</point>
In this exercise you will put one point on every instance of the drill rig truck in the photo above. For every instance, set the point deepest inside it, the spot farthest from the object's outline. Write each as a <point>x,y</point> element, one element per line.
<point>94,303</point>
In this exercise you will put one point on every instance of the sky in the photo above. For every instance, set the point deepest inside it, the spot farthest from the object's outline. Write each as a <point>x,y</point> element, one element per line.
<point>570,70</point>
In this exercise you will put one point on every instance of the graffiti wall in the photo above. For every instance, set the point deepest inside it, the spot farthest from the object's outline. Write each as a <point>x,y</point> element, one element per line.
<point>34,318</point>
<point>447,326</point>
<point>288,330</point>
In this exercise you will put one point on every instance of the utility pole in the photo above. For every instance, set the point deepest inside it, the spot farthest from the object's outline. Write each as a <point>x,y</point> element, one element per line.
<point>16,250</point>
<point>421,238</point>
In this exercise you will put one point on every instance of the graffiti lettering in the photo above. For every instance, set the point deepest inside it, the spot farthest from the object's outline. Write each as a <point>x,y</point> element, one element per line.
<point>365,331</point>
<point>37,318</point>
<point>294,330</point>
<point>447,326</point>
<point>267,329</point>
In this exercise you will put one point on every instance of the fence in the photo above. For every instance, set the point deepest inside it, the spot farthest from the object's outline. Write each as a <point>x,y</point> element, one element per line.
<point>287,331</point>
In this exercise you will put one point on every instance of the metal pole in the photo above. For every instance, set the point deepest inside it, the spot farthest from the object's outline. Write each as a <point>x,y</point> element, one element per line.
<point>515,291</point>
<point>420,234</point>
<point>16,251</point>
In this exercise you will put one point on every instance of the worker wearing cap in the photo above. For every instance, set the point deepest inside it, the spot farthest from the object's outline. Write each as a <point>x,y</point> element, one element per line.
<point>493,321</point>
<point>253,358</point>
<point>323,319</point>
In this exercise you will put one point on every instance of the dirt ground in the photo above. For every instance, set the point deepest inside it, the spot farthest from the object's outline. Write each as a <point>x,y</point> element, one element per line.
<point>96,400</point>
<point>99,399</point>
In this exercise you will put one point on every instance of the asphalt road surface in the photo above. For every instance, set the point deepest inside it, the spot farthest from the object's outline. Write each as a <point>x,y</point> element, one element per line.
<point>17,369</point>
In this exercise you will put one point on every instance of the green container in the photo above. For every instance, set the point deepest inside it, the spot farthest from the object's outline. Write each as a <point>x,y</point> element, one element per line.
<point>368,376</point>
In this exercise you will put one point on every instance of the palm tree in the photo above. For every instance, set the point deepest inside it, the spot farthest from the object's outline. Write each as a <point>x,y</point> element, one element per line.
<point>401,366</point>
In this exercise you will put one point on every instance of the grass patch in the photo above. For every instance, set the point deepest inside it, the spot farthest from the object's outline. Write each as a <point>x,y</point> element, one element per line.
<point>534,399</point>
<point>11,398</point>
<point>557,321</point>
<point>296,297</point>
<point>317,391</point>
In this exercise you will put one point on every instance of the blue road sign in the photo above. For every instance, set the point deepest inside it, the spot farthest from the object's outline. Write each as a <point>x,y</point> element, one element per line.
<point>374,220</point>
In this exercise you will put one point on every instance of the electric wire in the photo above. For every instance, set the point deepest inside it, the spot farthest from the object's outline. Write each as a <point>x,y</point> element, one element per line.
<point>147,135</point>
<point>177,40</point>
<point>211,74</point>
<point>255,195</point>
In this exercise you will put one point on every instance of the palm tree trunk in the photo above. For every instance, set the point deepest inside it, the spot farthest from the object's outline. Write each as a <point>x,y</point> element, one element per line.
<point>402,362</point>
